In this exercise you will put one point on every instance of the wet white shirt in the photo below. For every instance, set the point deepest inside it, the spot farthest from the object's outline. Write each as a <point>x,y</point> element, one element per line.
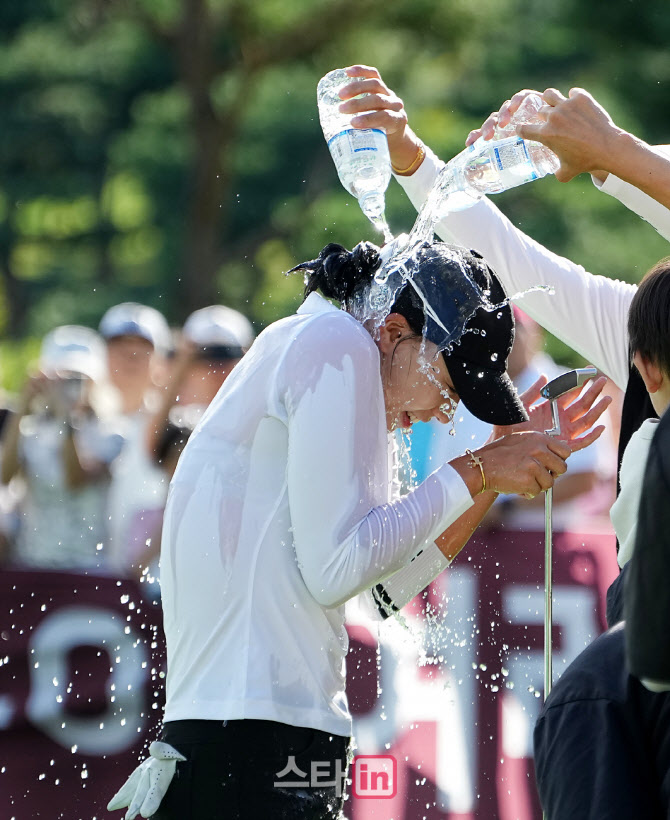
<point>278,513</point>
<point>587,312</point>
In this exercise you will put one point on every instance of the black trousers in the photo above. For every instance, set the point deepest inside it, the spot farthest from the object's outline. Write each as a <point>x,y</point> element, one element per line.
<point>254,770</point>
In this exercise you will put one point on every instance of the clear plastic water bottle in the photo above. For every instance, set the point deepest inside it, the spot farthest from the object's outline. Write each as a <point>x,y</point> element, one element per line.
<point>491,167</point>
<point>487,167</point>
<point>526,114</point>
<point>361,156</point>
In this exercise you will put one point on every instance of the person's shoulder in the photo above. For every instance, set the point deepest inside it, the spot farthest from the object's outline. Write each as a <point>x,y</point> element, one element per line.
<point>599,672</point>
<point>334,332</point>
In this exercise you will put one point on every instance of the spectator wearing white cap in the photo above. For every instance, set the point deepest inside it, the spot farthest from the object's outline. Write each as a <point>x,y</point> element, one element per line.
<point>63,449</point>
<point>220,336</point>
<point>214,339</point>
<point>137,339</point>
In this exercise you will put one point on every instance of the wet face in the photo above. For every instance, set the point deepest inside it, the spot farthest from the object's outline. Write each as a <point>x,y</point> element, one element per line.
<point>416,381</point>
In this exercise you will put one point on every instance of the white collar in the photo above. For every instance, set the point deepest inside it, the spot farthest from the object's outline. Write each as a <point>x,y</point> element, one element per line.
<point>315,303</point>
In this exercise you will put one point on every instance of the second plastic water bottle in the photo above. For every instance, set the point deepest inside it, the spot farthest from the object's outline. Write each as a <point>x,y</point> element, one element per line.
<point>361,156</point>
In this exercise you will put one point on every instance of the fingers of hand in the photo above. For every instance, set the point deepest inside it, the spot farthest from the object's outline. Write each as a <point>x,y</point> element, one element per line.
<point>544,478</point>
<point>532,394</point>
<point>390,121</point>
<point>580,443</point>
<point>489,126</point>
<point>362,71</point>
<point>473,136</point>
<point>558,447</point>
<point>555,464</point>
<point>588,419</point>
<point>371,102</point>
<point>504,114</point>
<point>552,96</point>
<point>565,173</point>
<point>371,87</point>
<point>513,105</point>
<point>531,131</point>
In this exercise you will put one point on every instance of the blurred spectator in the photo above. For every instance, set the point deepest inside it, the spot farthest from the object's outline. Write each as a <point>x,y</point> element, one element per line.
<point>214,339</point>
<point>10,495</point>
<point>137,339</point>
<point>220,336</point>
<point>145,535</point>
<point>61,440</point>
<point>588,469</point>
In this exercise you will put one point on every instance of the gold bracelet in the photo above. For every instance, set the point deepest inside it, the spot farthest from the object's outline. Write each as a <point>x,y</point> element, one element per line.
<point>476,460</point>
<point>418,159</point>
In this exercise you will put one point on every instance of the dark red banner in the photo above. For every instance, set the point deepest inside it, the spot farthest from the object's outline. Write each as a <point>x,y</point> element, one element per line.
<point>80,691</point>
<point>451,694</point>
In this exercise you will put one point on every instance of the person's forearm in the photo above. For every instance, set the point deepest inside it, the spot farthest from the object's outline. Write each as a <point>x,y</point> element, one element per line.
<point>10,448</point>
<point>77,474</point>
<point>639,164</point>
<point>404,148</point>
<point>453,539</point>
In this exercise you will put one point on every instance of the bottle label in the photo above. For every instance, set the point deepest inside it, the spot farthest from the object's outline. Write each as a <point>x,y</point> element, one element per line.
<point>355,141</point>
<point>511,155</point>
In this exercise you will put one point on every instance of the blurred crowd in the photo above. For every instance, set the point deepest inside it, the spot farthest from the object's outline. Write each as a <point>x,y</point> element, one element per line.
<point>89,445</point>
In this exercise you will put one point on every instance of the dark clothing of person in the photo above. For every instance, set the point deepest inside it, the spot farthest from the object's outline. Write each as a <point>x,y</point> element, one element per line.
<point>232,767</point>
<point>602,741</point>
<point>637,407</point>
<point>647,602</point>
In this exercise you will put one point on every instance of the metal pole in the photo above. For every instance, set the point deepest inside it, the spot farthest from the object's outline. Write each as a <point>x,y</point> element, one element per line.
<point>552,392</point>
<point>549,565</point>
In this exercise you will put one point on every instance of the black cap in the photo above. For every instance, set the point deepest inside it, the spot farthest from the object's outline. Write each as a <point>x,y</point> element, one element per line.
<point>466,314</point>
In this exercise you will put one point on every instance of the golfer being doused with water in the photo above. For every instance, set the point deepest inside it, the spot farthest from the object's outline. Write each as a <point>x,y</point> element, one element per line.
<point>282,508</point>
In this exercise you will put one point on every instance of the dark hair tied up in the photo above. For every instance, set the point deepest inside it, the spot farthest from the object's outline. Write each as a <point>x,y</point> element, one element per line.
<point>338,273</point>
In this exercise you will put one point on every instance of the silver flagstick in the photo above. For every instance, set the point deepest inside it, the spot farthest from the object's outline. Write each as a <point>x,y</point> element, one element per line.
<point>552,392</point>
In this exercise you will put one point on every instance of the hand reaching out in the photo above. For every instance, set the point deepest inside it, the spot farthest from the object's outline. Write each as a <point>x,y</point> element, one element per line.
<point>576,413</point>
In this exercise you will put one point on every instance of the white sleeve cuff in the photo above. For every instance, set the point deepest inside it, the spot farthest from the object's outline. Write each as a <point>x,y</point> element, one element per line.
<point>655,685</point>
<point>407,583</point>
<point>637,201</point>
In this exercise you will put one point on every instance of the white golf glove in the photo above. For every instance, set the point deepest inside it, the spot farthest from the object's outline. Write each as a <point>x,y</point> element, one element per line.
<point>146,786</point>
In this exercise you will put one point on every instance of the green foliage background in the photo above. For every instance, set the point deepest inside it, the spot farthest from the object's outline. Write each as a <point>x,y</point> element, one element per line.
<point>169,151</point>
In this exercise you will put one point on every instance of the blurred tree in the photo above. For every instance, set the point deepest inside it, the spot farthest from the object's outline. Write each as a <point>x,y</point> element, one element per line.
<point>169,150</point>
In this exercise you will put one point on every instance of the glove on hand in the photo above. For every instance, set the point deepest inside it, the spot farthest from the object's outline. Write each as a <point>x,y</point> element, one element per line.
<point>146,786</point>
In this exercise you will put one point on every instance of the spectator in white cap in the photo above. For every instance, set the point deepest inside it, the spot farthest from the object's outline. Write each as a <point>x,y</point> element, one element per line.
<point>214,339</point>
<point>137,339</point>
<point>220,337</point>
<point>63,449</point>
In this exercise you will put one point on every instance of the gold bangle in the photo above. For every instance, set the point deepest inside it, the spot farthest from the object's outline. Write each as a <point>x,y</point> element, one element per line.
<point>476,460</point>
<point>418,159</point>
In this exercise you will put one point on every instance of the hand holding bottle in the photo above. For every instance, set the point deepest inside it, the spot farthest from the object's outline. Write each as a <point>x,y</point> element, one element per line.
<point>381,108</point>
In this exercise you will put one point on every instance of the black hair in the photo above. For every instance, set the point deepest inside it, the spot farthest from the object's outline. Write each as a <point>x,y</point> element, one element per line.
<point>339,273</point>
<point>649,317</point>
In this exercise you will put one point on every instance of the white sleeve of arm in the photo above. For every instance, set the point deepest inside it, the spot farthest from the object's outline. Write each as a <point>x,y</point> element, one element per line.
<point>346,539</point>
<point>400,588</point>
<point>587,312</point>
<point>637,201</point>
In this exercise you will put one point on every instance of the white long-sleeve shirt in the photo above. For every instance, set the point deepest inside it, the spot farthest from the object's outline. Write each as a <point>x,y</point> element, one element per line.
<point>279,511</point>
<point>587,312</point>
